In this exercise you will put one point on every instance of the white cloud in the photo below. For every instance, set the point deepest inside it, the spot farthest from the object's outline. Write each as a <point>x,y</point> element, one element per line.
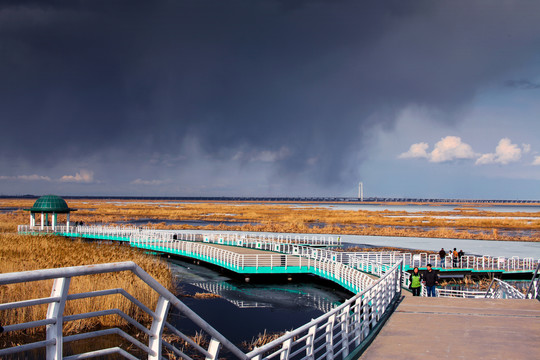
<point>416,151</point>
<point>447,149</point>
<point>485,159</point>
<point>451,148</point>
<point>154,182</point>
<point>83,176</point>
<point>33,177</point>
<point>526,148</point>
<point>505,153</point>
<point>536,160</point>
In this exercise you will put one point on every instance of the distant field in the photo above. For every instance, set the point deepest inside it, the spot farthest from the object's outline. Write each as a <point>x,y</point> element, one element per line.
<point>462,221</point>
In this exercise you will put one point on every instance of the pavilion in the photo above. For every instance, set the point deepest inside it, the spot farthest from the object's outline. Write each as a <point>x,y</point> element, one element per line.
<point>49,204</point>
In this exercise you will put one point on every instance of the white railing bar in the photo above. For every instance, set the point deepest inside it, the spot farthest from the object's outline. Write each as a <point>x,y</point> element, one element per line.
<point>112,331</point>
<point>46,274</point>
<point>102,352</point>
<point>187,339</point>
<point>27,325</point>
<point>96,293</point>
<point>111,292</point>
<point>108,312</point>
<point>25,303</point>
<point>176,351</point>
<point>26,347</point>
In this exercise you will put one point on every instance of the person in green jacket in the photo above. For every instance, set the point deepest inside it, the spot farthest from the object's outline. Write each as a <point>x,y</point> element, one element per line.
<point>416,284</point>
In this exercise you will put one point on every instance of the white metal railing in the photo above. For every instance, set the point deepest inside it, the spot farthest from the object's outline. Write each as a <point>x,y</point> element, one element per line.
<point>336,333</point>
<point>128,231</point>
<point>499,289</point>
<point>460,293</point>
<point>329,268</point>
<point>484,262</point>
<point>339,331</point>
<point>56,318</point>
<point>533,291</point>
<point>376,263</point>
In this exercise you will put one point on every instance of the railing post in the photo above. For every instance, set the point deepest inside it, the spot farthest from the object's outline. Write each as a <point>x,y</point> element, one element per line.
<point>156,330</point>
<point>213,349</point>
<point>345,330</point>
<point>330,337</point>
<point>56,311</point>
<point>286,349</point>
<point>310,342</point>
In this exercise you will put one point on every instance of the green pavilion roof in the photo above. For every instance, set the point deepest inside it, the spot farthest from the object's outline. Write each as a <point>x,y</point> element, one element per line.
<point>50,203</point>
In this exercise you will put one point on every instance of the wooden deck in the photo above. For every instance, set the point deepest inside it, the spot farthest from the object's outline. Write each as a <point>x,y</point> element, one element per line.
<point>445,328</point>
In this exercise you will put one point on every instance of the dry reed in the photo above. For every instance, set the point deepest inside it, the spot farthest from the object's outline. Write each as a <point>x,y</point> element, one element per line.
<point>24,252</point>
<point>261,339</point>
<point>306,219</point>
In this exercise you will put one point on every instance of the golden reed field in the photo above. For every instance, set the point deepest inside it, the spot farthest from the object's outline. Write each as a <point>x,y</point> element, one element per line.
<point>23,252</point>
<point>306,219</point>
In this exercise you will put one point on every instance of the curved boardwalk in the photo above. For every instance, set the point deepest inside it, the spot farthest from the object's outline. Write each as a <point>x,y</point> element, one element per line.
<point>442,328</point>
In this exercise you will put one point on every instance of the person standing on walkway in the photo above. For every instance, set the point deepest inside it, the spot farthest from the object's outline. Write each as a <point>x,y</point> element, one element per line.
<point>416,284</point>
<point>430,280</point>
<point>442,255</point>
<point>455,257</point>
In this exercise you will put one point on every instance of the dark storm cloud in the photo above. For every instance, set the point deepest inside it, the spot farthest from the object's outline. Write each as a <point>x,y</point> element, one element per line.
<point>522,84</point>
<point>94,78</point>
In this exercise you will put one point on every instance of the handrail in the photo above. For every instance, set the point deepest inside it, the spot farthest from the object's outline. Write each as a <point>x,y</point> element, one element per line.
<point>499,289</point>
<point>62,276</point>
<point>484,262</point>
<point>350,322</point>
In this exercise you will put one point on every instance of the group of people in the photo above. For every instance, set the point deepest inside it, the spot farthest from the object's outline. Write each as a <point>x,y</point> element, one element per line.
<point>429,278</point>
<point>455,255</point>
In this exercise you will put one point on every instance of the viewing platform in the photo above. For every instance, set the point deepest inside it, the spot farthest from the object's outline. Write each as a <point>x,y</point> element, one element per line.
<point>444,328</point>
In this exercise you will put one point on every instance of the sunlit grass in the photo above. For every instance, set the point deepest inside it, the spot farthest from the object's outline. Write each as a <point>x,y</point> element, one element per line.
<point>307,219</point>
<point>25,252</point>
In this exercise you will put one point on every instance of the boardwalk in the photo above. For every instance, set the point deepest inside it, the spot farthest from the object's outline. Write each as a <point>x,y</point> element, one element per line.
<point>443,328</point>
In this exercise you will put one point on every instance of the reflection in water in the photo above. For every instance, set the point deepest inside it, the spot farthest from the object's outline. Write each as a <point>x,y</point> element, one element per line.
<point>256,297</point>
<point>247,309</point>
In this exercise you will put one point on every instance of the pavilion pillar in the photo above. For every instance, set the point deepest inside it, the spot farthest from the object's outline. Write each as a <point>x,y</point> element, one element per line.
<point>54,215</point>
<point>67,222</point>
<point>32,219</point>
<point>42,220</point>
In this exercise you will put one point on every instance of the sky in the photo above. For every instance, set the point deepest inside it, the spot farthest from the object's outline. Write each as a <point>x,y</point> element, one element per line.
<point>431,99</point>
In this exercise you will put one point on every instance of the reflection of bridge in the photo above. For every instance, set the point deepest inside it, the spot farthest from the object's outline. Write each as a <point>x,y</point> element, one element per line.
<point>340,333</point>
<point>223,289</point>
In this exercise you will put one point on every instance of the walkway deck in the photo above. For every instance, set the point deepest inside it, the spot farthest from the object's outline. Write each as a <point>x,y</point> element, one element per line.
<point>444,328</point>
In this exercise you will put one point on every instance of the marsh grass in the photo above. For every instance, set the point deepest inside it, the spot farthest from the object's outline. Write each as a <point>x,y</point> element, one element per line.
<point>24,253</point>
<point>261,339</point>
<point>206,296</point>
<point>308,219</point>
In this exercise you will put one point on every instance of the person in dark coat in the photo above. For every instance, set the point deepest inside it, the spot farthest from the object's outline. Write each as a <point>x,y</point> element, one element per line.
<point>442,255</point>
<point>430,279</point>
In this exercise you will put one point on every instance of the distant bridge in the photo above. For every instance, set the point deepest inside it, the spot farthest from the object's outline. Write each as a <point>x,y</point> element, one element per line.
<point>315,199</point>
